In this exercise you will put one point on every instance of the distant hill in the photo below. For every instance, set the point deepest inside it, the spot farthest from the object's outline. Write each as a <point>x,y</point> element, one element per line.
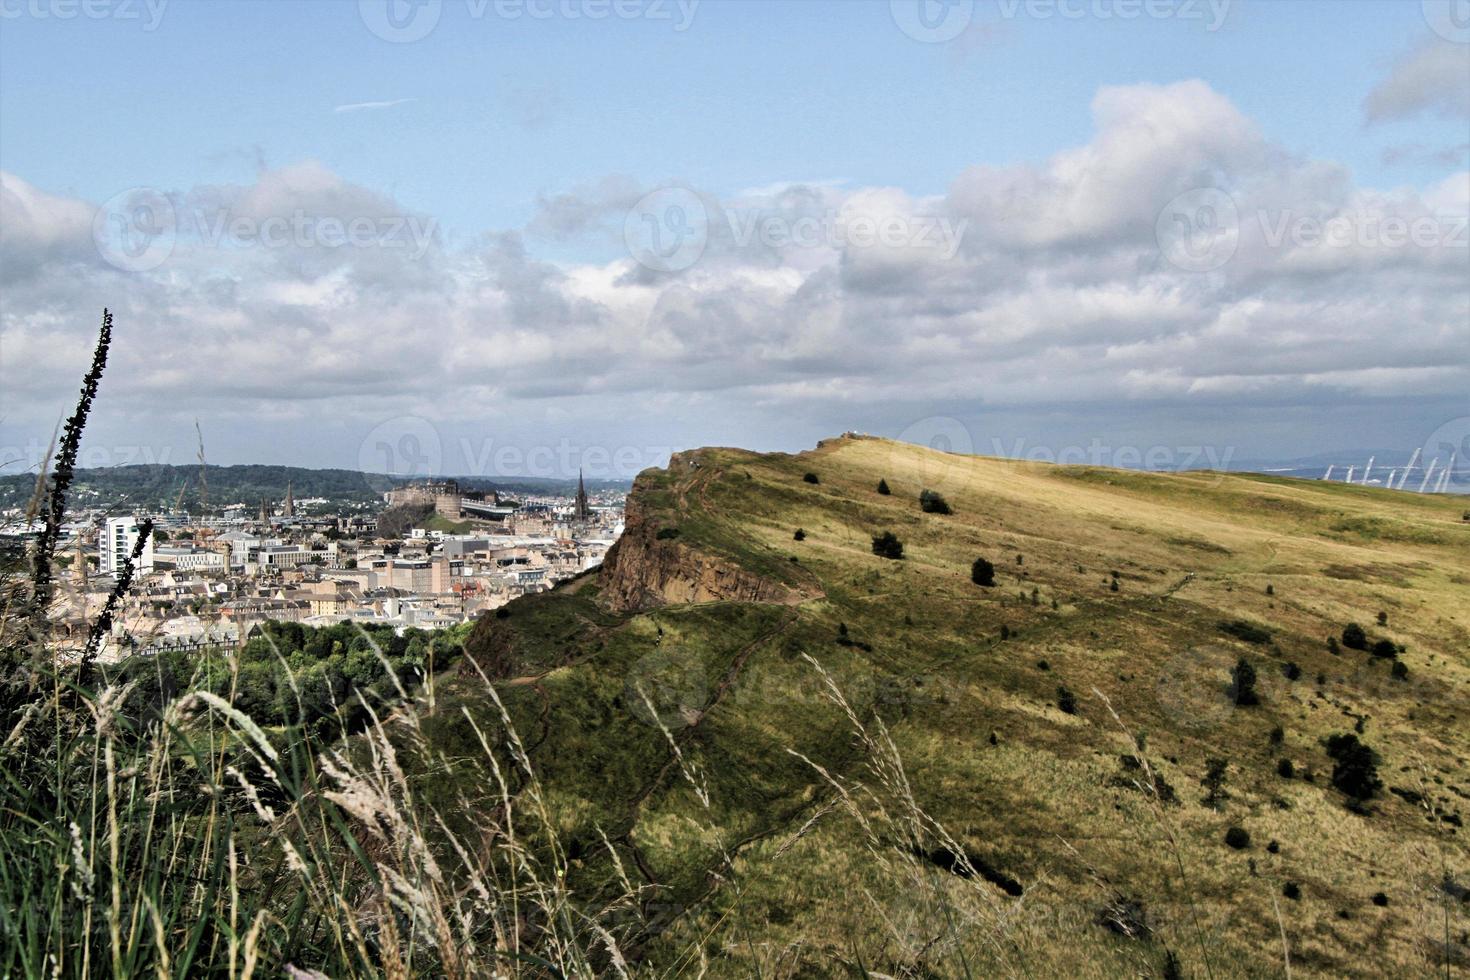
<point>156,487</point>
<point>1060,774</point>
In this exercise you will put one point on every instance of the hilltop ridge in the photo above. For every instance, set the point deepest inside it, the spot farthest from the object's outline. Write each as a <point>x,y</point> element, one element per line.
<point>811,757</point>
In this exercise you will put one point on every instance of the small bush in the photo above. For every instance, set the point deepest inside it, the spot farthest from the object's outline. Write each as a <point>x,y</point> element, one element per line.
<point>1292,891</point>
<point>1238,838</point>
<point>1354,638</point>
<point>1291,671</point>
<point>1380,899</point>
<point>1400,671</point>
<point>1214,782</point>
<point>1243,683</point>
<point>931,502</point>
<point>667,533</point>
<point>883,488</point>
<point>1332,646</point>
<point>1113,586</point>
<point>1382,618</point>
<point>1285,769</point>
<point>1270,589</point>
<point>1042,665</point>
<point>811,478</point>
<point>1355,772</point>
<point>1249,632</point>
<point>887,545</point>
<point>1386,649</point>
<point>1278,735</point>
<point>800,535</point>
<point>982,573</point>
<point>1066,700</point>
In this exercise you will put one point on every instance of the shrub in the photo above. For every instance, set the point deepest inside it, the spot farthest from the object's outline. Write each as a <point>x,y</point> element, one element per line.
<point>1291,671</point>
<point>1400,671</point>
<point>982,572</point>
<point>1249,632</point>
<point>1278,735</point>
<point>811,478</point>
<point>1332,646</point>
<point>1385,649</point>
<point>1382,618</point>
<point>1243,683</point>
<point>1355,772</point>
<point>931,502</point>
<point>887,545</point>
<point>1238,838</point>
<point>1285,769</point>
<point>800,535</point>
<point>1270,589</point>
<point>1292,891</point>
<point>1354,638</point>
<point>883,488</point>
<point>1380,899</point>
<point>1066,700</point>
<point>1042,665</point>
<point>1214,782</point>
<point>667,533</point>
<point>1113,586</point>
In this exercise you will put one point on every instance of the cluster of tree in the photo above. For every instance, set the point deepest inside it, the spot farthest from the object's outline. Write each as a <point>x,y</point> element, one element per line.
<point>288,674</point>
<point>395,522</point>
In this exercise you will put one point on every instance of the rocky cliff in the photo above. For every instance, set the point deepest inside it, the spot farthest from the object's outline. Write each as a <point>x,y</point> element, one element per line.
<point>645,570</point>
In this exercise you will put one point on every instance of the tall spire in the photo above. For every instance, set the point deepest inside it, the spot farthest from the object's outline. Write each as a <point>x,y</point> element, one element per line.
<point>289,508</point>
<point>582,510</point>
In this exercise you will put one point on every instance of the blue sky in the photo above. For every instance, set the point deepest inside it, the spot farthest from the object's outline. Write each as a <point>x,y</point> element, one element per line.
<point>498,128</point>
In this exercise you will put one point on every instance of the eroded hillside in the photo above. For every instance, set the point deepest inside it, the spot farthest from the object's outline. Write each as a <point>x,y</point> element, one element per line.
<point>809,760</point>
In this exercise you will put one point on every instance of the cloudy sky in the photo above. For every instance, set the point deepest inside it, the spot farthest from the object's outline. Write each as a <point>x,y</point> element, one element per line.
<point>519,236</point>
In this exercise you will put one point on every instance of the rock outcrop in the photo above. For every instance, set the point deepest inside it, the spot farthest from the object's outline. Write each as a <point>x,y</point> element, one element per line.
<point>644,570</point>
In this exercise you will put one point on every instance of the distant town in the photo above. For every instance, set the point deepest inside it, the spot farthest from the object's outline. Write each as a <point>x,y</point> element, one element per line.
<point>430,555</point>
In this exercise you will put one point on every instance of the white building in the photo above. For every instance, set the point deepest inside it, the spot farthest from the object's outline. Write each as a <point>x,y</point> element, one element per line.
<point>116,543</point>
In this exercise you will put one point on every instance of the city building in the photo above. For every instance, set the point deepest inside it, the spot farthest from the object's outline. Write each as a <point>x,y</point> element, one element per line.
<point>115,546</point>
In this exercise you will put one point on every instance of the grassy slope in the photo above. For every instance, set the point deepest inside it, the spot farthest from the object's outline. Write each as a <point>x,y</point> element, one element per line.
<point>773,874</point>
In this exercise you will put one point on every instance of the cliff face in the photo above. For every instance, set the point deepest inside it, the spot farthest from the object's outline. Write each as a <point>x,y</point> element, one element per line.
<point>643,571</point>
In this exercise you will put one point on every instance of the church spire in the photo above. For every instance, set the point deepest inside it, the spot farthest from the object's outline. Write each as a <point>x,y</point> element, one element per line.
<point>288,509</point>
<point>582,510</point>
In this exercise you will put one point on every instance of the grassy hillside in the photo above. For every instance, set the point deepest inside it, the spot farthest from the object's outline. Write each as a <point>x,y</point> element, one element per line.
<point>879,774</point>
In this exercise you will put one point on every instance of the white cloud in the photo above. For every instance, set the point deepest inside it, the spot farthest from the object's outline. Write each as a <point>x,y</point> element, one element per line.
<point>1434,77</point>
<point>1057,292</point>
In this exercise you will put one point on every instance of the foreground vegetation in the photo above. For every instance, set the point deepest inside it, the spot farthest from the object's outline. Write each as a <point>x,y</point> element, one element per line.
<point>1073,721</point>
